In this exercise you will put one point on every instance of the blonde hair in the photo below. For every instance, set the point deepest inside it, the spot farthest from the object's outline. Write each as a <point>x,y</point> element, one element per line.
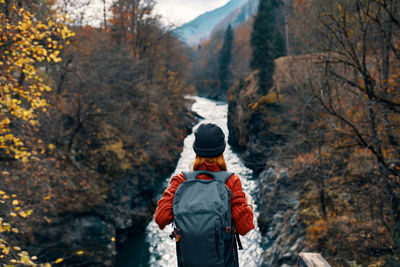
<point>199,161</point>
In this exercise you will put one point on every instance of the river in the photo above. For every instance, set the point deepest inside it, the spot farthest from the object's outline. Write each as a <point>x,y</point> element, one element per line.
<point>154,247</point>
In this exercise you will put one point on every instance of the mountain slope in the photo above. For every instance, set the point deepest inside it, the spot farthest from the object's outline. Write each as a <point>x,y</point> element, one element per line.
<point>239,15</point>
<point>198,29</point>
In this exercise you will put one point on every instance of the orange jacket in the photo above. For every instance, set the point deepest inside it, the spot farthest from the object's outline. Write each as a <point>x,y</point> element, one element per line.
<point>242,214</point>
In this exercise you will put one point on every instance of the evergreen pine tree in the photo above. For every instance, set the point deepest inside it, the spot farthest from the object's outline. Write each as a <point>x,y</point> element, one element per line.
<point>267,43</point>
<point>224,61</point>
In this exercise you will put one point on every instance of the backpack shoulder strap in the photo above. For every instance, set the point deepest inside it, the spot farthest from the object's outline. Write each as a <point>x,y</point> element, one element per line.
<point>190,175</point>
<point>220,176</point>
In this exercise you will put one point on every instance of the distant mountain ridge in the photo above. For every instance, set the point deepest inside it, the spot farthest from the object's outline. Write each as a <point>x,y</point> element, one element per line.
<point>200,28</point>
<point>238,16</point>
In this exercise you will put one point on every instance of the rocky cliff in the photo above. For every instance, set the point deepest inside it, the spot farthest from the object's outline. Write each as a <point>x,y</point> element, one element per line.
<point>316,193</point>
<point>251,123</point>
<point>283,233</point>
<point>259,131</point>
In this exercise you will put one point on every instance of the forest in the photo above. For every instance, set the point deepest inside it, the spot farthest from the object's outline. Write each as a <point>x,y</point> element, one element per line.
<point>84,111</point>
<point>93,118</point>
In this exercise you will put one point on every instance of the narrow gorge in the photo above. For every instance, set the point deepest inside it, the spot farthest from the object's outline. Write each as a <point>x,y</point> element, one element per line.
<point>155,248</point>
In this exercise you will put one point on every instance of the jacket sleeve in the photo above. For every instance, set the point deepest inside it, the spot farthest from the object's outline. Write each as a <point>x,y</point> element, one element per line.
<point>164,215</point>
<point>242,214</point>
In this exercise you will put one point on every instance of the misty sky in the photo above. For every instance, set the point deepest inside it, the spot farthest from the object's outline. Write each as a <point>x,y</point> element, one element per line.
<point>173,12</point>
<point>180,11</point>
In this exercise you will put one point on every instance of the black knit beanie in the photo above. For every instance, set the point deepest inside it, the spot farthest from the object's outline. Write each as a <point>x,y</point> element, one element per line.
<point>209,141</point>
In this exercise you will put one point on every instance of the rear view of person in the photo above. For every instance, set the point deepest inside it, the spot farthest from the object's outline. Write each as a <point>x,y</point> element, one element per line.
<point>207,206</point>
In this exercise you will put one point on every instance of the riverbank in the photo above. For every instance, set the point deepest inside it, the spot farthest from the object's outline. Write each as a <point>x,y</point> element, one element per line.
<point>86,204</point>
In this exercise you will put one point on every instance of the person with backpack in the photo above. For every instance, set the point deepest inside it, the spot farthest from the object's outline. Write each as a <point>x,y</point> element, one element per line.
<point>207,206</point>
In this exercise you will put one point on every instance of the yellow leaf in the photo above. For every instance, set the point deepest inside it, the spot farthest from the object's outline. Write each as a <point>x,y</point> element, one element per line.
<point>23,214</point>
<point>15,230</point>
<point>7,227</point>
<point>13,214</point>
<point>51,146</point>
<point>47,197</point>
<point>80,252</point>
<point>16,248</point>
<point>59,260</point>
<point>15,202</point>
<point>340,7</point>
<point>112,239</point>
<point>6,250</point>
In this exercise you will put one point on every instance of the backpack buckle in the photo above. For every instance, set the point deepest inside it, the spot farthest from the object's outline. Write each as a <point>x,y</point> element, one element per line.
<point>175,234</point>
<point>228,229</point>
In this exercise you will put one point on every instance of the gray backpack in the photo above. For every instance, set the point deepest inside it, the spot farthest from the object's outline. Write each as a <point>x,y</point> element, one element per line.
<point>203,226</point>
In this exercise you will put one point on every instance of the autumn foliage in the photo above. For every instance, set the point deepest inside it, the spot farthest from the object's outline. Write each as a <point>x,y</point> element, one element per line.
<point>331,118</point>
<point>25,42</point>
<point>84,112</point>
